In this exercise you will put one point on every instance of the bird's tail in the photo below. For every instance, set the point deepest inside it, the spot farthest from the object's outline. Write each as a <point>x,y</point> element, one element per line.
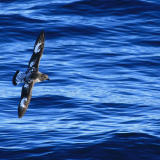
<point>18,78</point>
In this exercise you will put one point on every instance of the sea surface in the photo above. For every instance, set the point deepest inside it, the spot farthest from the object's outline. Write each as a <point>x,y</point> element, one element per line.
<point>103,100</point>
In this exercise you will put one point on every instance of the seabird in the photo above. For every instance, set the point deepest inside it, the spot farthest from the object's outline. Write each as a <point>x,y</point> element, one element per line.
<point>31,76</point>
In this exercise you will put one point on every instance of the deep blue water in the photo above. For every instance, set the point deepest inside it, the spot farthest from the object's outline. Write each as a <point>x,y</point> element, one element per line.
<point>103,58</point>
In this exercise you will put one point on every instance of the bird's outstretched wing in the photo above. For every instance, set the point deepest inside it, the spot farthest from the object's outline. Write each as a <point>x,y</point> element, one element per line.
<point>37,52</point>
<point>25,98</point>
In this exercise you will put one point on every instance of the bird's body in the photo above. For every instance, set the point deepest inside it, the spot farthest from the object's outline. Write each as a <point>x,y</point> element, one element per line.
<point>31,76</point>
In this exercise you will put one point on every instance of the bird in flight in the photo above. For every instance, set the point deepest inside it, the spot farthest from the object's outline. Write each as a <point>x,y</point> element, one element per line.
<point>31,76</point>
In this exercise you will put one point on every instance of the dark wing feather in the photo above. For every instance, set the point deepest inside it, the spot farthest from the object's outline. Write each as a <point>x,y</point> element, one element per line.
<point>37,52</point>
<point>25,98</point>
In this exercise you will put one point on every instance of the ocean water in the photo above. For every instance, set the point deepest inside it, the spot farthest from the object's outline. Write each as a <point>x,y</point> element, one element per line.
<point>103,100</point>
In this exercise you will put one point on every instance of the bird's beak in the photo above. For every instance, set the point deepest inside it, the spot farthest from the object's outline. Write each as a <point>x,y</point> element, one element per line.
<point>48,79</point>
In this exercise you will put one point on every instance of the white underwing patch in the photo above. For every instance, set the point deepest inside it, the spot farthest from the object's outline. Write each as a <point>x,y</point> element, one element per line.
<point>23,102</point>
<point>26,85</point>
<point>33,69</point>
<point>37,47</point>
<point>32,63</point>
<point>20,77</point>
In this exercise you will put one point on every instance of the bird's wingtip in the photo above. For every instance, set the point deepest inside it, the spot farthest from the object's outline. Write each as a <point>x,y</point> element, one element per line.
<point>14,78</point>
<point>42,32</point>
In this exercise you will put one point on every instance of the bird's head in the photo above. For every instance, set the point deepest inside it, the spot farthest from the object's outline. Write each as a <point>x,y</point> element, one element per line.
<point>45,77</point>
